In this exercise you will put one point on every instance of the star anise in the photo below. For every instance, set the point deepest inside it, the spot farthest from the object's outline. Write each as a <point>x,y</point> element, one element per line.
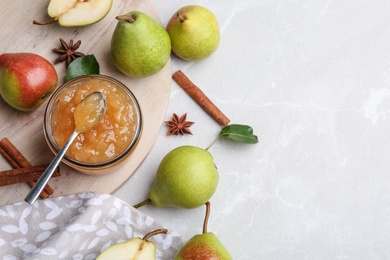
<point>68,52</point>
<point>179,125</point>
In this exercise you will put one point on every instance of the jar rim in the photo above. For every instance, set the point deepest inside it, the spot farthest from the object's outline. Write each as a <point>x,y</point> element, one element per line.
<point>91,165</point>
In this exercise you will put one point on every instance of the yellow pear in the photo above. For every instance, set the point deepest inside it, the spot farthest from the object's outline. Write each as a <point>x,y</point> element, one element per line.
<point>194,32</point>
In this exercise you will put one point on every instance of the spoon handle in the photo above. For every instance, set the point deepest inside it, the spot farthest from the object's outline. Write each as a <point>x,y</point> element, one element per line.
<point>42,181</point>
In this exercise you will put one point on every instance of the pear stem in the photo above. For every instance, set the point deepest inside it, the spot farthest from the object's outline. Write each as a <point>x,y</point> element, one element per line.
<point>45,23</point>
<point>154,232</point>
<point>206,218</point>
<point>213,143</point>
<point>142,203</point>
<point>126,17</point>
<point>181,17</point>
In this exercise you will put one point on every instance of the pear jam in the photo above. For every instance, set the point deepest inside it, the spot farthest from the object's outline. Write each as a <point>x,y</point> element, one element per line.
<point>107,139</point>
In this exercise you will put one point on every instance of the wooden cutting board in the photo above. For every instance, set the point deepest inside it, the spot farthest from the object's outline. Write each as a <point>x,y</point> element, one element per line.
<point>18,34</point>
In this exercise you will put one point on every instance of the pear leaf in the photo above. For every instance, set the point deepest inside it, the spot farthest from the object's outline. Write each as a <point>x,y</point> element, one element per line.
<point>84,65</point>
<point>239,133</point>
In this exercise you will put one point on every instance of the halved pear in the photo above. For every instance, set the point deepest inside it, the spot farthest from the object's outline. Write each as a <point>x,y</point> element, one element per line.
<point>77,12</point>
<point>134,249</point>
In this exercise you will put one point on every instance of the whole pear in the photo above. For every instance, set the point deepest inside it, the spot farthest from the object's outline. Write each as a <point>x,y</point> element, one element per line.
<point>140,46</point>
<point>194,32</point>
<point>186,178</point>
<point>203,246</point>
<point>134,249</point>
<point>26,80</point>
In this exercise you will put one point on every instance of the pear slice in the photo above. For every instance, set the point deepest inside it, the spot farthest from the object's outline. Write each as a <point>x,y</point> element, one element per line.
<point>134,249</point>
<point>77,12</point>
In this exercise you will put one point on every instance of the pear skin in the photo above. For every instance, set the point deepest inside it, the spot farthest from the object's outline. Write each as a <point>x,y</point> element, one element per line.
<point>203,246</point>
<point>140,46</point>
<point>194,32</point>
<point>186,178</point>
<point>26,80</point>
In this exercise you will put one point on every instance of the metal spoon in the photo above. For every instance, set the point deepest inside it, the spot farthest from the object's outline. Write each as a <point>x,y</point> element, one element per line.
<point>87,115</point>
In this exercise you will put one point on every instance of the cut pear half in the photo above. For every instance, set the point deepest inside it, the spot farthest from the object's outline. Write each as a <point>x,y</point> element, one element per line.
<point>132,250</point>
<point>77,12</point>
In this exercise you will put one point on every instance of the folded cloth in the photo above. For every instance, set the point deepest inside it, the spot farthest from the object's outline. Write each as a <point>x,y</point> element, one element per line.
<point>76,226</point>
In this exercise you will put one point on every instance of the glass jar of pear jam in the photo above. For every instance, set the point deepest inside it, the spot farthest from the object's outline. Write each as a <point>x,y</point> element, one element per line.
<point>109,144</point>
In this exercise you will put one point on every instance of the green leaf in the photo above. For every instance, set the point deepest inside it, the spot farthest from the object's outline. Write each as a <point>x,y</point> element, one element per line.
<point>239,133</point>
<point>84,65</point>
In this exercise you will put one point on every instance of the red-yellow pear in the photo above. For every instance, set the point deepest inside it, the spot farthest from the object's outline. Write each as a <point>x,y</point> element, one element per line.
<point>26,80</point>
<point>204,246</point>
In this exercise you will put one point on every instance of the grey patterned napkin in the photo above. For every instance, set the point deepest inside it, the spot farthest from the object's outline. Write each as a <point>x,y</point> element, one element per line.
<point>76,226</point>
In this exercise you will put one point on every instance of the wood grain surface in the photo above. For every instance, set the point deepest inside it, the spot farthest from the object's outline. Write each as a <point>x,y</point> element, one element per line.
<point>18,34</point>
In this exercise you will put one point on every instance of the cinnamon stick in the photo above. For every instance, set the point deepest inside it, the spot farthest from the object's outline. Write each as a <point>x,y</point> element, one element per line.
<point>14,153</point>
<point>8,158</point>
<point>18,158</point>
<point>200,98</point>
<point>23,174</point>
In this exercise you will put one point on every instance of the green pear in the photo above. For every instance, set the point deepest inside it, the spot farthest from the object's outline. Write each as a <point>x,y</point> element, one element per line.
<point>203,246</point>
<point>134,249</point>
<point>26,80</point>
<point>194,32</point>
<point>186,178</point>
<point>140,46</point>
<point>76,13</point>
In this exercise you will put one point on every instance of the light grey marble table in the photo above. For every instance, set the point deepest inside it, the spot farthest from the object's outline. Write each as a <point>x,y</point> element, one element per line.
<point>313,80</point>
